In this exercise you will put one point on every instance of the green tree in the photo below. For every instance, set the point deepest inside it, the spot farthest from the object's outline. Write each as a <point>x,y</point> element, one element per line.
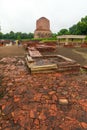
<point>80,28</point>
<point>11,35</point>
<point>54,35</point>
<point>30,35</point>
<point>18,35</point>
<point>1,35</point>
<point>24,36</point>
<point>6,36</point>
<point>63,32</point>
<point>73,29</point>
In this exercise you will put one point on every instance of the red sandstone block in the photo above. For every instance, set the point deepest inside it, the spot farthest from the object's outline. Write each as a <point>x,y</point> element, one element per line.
<point>84,125</point>
<point>36,122</point>
<point>54,98</point>
<point>32,114</point>
<point>84,67</point>
<point>52,92</point>
<point>63,101</point>
<point>42,116</point>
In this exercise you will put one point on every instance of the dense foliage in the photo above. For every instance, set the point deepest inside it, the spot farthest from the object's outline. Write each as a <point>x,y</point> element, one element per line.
<point>18,35</point>
<point>63,32</point>
<point>78,29</point>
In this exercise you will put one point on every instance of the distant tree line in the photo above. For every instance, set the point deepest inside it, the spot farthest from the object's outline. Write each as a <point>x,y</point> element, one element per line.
<point>22,36</point>
<point>18,35</point>
<point>78,29</point>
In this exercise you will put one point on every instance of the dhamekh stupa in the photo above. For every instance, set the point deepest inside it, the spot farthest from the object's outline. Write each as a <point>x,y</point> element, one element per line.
<point>42,28</point>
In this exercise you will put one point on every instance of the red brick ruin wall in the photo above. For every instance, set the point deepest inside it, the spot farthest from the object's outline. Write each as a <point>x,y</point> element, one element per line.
<point>43,24</point>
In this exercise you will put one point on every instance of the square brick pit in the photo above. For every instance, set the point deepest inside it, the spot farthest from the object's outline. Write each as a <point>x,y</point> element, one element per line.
<point>46,64</point>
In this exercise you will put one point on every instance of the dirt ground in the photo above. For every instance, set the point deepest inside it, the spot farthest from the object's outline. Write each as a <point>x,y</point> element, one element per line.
<point>78,54</point>
<point>52,101</point>
<point>7,51</point>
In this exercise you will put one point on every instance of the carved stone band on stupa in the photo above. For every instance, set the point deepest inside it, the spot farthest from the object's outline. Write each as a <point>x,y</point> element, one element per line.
<point>42,28</point>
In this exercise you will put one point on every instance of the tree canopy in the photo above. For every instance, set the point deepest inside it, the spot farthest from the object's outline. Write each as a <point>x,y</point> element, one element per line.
<point>78,29</point>
<point>17,35</point>
<point>63,32</point>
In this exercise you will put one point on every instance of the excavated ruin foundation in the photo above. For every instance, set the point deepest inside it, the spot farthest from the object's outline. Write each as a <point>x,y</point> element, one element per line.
<point>46,64</point>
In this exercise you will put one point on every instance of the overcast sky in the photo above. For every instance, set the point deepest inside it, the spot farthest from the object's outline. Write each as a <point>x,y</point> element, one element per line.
<point>21,15</point>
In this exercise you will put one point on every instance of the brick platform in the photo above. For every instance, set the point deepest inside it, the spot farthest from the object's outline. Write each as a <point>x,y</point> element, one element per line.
<point>45,64</point>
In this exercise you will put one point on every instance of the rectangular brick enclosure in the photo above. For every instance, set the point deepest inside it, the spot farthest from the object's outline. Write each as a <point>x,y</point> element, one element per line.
<point>45,64</point>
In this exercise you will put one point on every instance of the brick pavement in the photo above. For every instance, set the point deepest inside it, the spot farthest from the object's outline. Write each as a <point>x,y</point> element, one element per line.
<point>51,101</point>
